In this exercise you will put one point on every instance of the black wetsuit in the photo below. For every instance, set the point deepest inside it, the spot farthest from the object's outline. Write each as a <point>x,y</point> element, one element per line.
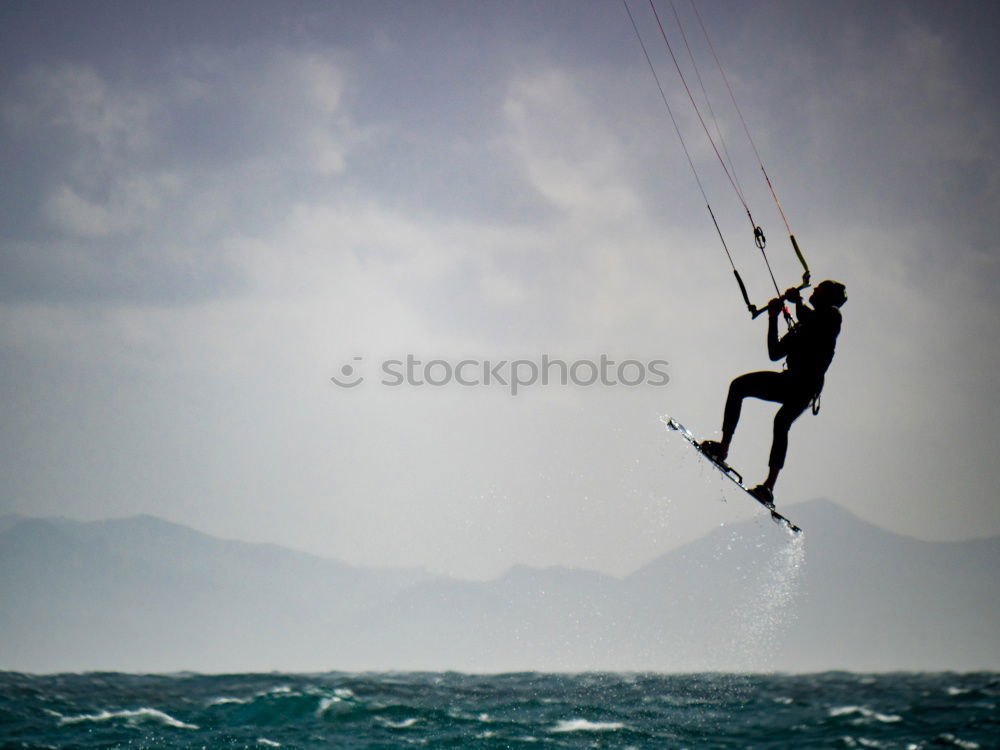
<point>808,350</point>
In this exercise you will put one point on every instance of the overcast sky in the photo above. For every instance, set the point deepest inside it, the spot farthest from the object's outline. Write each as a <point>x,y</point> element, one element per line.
<point>209,209</point>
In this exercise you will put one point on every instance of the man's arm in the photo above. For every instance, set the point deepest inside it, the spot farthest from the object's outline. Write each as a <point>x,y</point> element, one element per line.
<point>802,311</point>
<point>776,348</point>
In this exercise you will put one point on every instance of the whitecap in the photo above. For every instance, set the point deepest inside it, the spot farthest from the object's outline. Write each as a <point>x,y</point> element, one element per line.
<point>226,700</point>
<point>864,713</point>
<point>341,700</point>
<point>404,724</point>
<point>860,742</point>
<point>324,705</point>
<point>132,717</point>
<point>284,691</point>
<point>267,742</point>
<point>950,739</point>
<point>583,725</point>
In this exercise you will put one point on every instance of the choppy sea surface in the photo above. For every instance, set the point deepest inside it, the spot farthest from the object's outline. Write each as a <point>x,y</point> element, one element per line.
<point>525,710</point>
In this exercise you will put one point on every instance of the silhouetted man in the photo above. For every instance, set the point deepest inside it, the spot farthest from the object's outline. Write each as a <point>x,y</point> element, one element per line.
<point>808,350</point>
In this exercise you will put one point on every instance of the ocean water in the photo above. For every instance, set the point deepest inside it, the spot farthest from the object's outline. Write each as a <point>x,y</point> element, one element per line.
<point>526,710</point>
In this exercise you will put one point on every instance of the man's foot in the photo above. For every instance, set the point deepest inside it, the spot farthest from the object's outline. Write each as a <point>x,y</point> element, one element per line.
<point>713,449</point>
<point>764,494</point>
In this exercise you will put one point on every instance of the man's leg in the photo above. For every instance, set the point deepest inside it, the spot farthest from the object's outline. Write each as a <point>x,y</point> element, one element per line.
<point>767,385</point>
<point>787,414</point>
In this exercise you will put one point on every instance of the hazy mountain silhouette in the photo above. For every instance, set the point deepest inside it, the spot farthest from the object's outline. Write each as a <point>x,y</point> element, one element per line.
<point>142,594</point>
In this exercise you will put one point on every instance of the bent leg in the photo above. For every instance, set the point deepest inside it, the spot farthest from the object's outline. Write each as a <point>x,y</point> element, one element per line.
<point>766,385</point>
<point>787,414</point>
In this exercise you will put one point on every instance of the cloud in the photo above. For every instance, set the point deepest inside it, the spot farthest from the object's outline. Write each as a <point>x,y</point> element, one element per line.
<point>276,108</point>
<point>75,100</point>
<point>130,205</point>
<point>149,175</point>
<point>914,129</point>
<point>570,156</point>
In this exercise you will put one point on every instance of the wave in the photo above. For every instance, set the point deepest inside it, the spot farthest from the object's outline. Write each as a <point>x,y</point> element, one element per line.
<point>583,725</point>
<point>341,700</point>
<point>283,705</point>
<point>225,700</point>
<point>864,713</point>
<point>435,710</point>
<point>404,724</point>
<point>950,740</point>
<point>136,716</point>
<point>859,742</point>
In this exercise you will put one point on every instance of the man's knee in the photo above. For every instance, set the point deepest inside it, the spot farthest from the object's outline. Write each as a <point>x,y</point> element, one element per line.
<point>785,417</point>
<point>783,423</point>
<point>740,385</point>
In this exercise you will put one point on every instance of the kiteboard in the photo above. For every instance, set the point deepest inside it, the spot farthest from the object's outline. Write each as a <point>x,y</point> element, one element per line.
<point>728,471</point>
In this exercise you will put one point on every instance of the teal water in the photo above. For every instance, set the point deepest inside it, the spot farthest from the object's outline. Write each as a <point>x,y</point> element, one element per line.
<point>448,710</point>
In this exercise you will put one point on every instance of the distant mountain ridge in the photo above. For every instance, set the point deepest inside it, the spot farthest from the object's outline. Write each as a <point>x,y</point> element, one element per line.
<point>144,594</point>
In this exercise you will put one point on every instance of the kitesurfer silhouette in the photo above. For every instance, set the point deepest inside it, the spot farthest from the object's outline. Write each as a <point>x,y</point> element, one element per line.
<point>808,350</point>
